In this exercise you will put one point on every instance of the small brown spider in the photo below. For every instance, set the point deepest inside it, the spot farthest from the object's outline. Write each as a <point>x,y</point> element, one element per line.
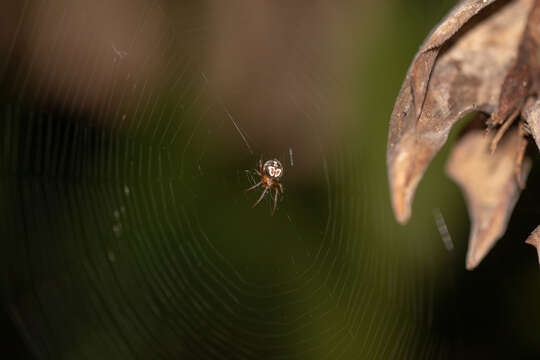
<point>270,173</point>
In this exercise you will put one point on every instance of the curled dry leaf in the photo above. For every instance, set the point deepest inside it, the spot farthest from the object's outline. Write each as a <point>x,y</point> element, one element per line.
<point>467,76</point>
<point>490,202</point>
<point>484,57</point>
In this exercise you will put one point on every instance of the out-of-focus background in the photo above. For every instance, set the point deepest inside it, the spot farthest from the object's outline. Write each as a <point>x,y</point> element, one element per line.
<point>129,131</point>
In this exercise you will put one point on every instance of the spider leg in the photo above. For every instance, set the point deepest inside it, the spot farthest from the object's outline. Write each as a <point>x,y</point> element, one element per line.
<point>275,200</point>
<point>258,172</point>
<point>260,165</point>
<point>281,188</point>
<point>261,197</point>
<point>254,186</point>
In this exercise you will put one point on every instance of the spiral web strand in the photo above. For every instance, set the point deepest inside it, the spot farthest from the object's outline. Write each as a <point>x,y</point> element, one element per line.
<point>126,231</point>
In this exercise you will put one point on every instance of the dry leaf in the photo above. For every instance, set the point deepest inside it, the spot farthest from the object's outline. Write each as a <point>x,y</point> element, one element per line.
<point>485,57</point>
<point>490,202</point>
<point>467,76</point>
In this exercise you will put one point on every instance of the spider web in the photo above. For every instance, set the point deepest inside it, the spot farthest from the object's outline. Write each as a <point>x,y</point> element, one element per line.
<point>128,233</point>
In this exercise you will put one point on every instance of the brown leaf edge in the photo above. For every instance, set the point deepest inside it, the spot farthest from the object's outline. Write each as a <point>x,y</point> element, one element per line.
<point>534,240</point>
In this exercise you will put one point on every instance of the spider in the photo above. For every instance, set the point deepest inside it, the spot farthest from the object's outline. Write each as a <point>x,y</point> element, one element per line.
<point>270,173</point>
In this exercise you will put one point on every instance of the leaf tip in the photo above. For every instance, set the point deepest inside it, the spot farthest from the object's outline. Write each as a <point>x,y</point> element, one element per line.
<point>405,173</point>
<point>401,206</point>
<point>473,260</point>
<point>534,240</point>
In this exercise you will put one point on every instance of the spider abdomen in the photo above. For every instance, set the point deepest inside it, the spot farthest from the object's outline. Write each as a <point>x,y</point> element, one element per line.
<point>273,169</point>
